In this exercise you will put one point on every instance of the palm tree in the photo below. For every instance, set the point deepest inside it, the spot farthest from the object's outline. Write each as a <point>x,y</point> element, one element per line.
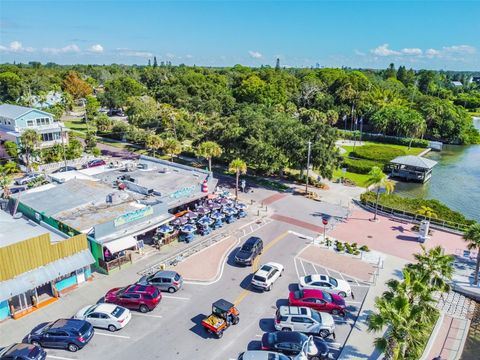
<point>238,166</point>
<point>153,142</point>
<point>428,212</point>
<point>436,267</point>
<point>208,150</point>
<point>172,147</point>
<point>377,178</point>
<point>472,237</point>
<point>30,140</point>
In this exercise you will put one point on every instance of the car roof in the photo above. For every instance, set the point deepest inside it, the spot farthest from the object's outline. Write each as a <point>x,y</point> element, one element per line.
<point>316,277</point>
<point>252,240</point>
<point>223,304</point>
<point>105,308</point>
<point>144,289</point>
<point>288,336</point>
<point>165,273</point>
<point>312,293</point>
<point>67,323</point>
<point>18,349</point>
<point>259,355</point>
<point>294,310</point>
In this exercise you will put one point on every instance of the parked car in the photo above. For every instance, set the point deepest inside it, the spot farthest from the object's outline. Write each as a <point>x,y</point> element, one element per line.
<point>292,342</point>
<point>327,283</point>
<point>137,297</point>
<point>16,190</point>
<point>249,251</point>
<point>106,316</point>
<point>305,320</point>
<point>261,355</point>
<point>267,275</point>
<point>94,163</point>
<point>71,334</point>
<point>115,112</point>
<point>319,300</point>
<point>27,178</point>
<point>22,351</point>
<point>163,280</point>
<point>64,169</point>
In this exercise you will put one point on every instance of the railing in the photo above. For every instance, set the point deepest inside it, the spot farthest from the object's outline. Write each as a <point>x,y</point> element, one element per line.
<point>115,263</point>
<point>416,218</point>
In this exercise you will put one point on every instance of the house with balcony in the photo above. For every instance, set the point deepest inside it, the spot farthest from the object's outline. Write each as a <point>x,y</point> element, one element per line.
<point>14,120</point>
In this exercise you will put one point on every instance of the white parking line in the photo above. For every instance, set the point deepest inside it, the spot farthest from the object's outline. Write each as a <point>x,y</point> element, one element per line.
<point>296,267</point>
<point>175,297</point>
<point>353,302</point>
<point>314,268</point>
<point>303,267</point>
<point>112,335</point>
<point>147,315</point>
<point>58,357</point>
<point>258,335</point>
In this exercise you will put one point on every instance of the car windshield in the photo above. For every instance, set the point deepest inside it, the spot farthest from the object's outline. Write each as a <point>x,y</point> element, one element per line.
<point>177,277</point>
<point>259,278</point>
<point>327,297</point>
<point>83,330</point>
<point>308,279</point>
<point>316,316</point>
<point>246,247</point>
<point>153,295</point>
<point>90,309</point>
<point>333,281</point>
<point>298,294</point>
<point>118,311</point>
<point>266,268</point>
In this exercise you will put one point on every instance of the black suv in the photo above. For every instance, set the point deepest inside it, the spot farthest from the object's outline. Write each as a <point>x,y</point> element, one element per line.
<point>22,352</point>
<point>71,334</point>
<point>249,251</point>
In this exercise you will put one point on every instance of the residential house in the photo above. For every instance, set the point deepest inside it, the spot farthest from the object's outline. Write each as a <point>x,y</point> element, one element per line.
<point>14,120</point>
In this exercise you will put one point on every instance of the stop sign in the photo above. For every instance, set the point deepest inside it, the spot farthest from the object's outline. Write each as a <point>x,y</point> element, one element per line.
<point>325,221</point>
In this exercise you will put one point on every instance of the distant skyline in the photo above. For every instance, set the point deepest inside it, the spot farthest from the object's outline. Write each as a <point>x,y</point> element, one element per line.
<point>367,34</point>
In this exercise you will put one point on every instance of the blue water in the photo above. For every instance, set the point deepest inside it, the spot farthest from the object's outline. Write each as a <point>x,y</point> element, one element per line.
<point>455,180</point>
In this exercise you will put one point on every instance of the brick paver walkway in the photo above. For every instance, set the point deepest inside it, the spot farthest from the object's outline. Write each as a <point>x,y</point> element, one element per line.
<point>204,265</point>
<point>338,262</point>
<point>296,222</point>
<point>272,198</point>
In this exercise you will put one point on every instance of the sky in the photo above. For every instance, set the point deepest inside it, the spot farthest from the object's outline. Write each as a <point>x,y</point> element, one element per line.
<point>361,34</point>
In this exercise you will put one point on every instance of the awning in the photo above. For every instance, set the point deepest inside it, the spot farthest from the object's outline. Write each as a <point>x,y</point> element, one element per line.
<point>44,274</point>
<point>124,243</point>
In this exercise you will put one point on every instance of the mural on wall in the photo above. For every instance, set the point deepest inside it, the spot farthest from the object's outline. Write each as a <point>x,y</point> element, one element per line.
<point>132,216</point>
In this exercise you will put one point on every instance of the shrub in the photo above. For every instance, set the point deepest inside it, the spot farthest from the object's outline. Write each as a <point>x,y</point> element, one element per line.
<point>411,205</point>
<point>364,248</point>
<point>359,166</point>
<point>339,246</point>
<point>421,143</point>
<point>356,252</point>
<point>348,248</point>
<point>378,153</point>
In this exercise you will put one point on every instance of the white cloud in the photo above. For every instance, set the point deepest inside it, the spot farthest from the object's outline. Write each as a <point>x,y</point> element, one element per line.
<point>384,50</point>
<point>255,54</point>
<point>359,53</point>
<point>412,51</point>
<point>432,53</point>
<point>97,48</point>
<point>72,48</point>
<point>16,47</point>
<point>170,56</point>
<point>134,53</point>
<point>460,49</point>
<point>188,56</point>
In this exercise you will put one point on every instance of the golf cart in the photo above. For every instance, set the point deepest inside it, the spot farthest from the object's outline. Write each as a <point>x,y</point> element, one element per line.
<point>223,315</point>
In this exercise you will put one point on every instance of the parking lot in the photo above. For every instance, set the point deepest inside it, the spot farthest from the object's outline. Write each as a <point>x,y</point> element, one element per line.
<point>173,330</point>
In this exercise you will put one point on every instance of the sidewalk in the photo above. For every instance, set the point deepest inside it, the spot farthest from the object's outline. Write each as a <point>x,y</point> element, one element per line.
<point>359,344</point>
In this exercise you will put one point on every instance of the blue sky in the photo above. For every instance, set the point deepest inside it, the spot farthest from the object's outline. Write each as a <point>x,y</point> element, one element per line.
<point>420,34</point>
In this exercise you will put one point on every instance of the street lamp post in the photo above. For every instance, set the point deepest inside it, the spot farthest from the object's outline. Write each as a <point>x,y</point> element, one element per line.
<point>325,223</point>
<point>63,147</point>
<point>308,166</point>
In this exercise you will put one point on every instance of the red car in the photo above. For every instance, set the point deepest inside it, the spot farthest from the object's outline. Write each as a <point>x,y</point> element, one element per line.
<point>318,300</point>
<point>94,163</point>
<point>137,297</point>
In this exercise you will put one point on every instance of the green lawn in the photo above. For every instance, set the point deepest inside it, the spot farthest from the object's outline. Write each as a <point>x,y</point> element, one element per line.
<point>411,151</point>
<point>359,179</point>
<point>76,124</point>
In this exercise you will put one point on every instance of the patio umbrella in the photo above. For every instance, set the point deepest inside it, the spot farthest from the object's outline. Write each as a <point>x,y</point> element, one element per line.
<point>179,221</point>
<point>215,206</point>
<point>229,211</point>
<point>190,215</point>
<point>203,210</point>
<point>188,228</point>
<point>241,206</point>
<point>216,215</point>
<point>205,221</point>
<point>165,229</point>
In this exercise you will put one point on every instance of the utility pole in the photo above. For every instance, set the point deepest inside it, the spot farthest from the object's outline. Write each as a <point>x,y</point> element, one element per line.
<point>63,146</point>
<point>308,166</point>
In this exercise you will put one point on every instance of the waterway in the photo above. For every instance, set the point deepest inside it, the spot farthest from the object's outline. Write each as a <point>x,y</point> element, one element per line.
<point>455,179</point>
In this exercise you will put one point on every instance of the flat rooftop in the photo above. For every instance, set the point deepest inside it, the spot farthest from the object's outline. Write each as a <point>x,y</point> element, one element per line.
<point>17,230</point>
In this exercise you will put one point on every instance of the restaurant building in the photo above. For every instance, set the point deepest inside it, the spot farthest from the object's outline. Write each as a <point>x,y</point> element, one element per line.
<point>38,264</point>
<point>116,207</point>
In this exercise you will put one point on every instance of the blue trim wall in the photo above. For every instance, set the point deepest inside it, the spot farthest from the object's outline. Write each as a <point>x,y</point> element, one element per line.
<point>66,283</point>
<point>4,310</point>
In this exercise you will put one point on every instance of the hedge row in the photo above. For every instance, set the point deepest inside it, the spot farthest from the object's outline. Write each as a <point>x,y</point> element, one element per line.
<point>360,166</point>
<point>350,135</point>
<point>379,153</point>
<point>412,205</point>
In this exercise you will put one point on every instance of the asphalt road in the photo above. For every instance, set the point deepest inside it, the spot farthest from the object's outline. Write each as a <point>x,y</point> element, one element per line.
<point>173,330</point>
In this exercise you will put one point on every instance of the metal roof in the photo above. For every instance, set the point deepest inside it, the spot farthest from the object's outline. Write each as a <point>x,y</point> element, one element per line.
<point>44,274</point>
<point>414,161</point>
<point>14,111</point>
